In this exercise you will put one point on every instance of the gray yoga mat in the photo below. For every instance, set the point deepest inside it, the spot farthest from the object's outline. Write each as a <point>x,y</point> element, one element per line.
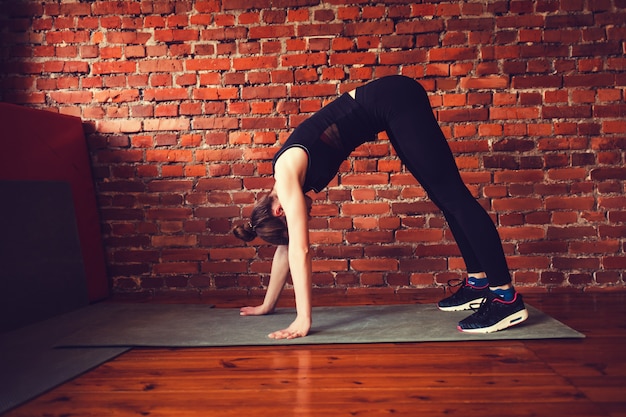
<point>31,365</point>
<point>36,358</point>
<point>193,325</point>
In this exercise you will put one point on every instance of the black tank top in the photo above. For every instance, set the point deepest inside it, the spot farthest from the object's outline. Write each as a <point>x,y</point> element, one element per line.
<point>328,137</point>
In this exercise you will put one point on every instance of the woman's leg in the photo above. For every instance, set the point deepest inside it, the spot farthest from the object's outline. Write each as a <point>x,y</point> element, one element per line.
<point>421,145</point>
<point>423,148</point>
<point>401,105</point>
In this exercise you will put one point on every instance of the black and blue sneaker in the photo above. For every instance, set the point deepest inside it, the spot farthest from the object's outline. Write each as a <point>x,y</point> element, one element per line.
<point>495,314</point>
<point>464,297</point>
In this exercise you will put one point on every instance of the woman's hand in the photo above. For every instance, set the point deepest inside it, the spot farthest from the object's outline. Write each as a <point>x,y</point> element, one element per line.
<point>299,328</point>
<point>278,278</point>
<point>255,311</point>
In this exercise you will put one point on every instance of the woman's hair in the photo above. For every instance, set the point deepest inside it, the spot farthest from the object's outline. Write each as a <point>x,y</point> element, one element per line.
<point>264,224</point>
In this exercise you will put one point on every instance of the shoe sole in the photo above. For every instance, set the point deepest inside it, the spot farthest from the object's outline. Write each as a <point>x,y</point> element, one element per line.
<point>510,321</point>
<point>461,307</point>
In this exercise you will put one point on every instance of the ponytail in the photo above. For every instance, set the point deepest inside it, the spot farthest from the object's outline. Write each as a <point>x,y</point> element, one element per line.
<point>245,232</point>
<point>264,224</point>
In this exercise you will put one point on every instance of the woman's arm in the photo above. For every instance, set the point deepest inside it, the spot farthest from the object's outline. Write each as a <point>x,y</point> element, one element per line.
<point>278,278</point>
<point>289,173</point>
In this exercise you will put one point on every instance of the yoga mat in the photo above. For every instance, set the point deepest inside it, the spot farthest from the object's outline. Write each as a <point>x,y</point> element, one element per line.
<point>193,325</point>
<point>30,364</point>
<point>38,357</point>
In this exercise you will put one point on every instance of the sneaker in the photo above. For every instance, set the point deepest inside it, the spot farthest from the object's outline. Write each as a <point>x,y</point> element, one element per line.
<point>464,297</point>
<point>495,314</point>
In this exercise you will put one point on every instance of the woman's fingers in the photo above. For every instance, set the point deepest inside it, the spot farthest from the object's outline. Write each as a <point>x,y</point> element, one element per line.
<point>285,334</point>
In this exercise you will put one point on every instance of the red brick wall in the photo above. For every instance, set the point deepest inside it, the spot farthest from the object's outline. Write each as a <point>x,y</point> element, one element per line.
<point>186,102</point>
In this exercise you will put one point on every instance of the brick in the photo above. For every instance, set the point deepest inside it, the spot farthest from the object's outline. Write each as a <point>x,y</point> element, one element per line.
<point>612,231</point>
<point>522,233</point>
<point>519,176</point>
<point>589,80</point>
<point>571,232</point>
<point>423,264</point>
<point>580,278</point>
<point>608,173</point>
<point>161,185</point>
<point>324,237</point>
<point>576,263</point>
<point>422,26</point>
<point>544,247</point>
<point>219,184</point>
<point>240,64</point>
<point>552,278</point>
<point>201,64</point>
<point>119,126</point>
<point>510,144</point>
<point>403,57</point>
<point>114,67</point>
<point>538,81</point>
<point>566,112</point>
<point>491,82</point>
<point>72,97</point>
<point>161,65</point>
<point>567,173</point>
<point>231,253</point>
<point>577,203</point>
<point>140,256</point>
<point>562,143</point>
<point>618,126</point>
<point>355,209</point>
<point>214,123</point>
<point>608,277</point>
<point>272,32</point>
<point>515,113</point>
<point>117,96</point>
<point>374,264</point>
<point>353,58</point>
<point>168,155</point>
<point>329,265</point>
<point>607,246</point>
<point>128,38</point>
<point>452,54</point>
<point>614,262</point>
<point>166,94</point>
<point>517,204</point>
<point>611,202</point>
<point>176,268</point>
<point>174,241</point>
<point>423,235</point>
<point>528,262</point>
<point>463,115</point>
<point>365,179</point>
<point>168,214</point>
<point>166,124</point>
<point>253,93</point>
<point>326,29</point>
<point>255,123</point>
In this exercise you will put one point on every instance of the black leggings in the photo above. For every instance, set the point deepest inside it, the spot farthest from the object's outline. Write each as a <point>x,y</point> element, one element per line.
<point>400,106</point>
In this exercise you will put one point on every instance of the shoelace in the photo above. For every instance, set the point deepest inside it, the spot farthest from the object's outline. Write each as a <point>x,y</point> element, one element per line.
<point>457,283</point>
<point>483,307</point>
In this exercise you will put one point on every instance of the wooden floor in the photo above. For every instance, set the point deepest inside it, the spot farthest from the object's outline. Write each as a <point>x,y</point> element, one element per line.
<point>498,378</point>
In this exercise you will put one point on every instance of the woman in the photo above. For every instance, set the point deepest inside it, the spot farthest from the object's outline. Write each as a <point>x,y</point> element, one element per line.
<point>311,158</point>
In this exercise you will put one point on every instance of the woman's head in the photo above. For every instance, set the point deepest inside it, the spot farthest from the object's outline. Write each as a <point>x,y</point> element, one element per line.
<point>263,223</point>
